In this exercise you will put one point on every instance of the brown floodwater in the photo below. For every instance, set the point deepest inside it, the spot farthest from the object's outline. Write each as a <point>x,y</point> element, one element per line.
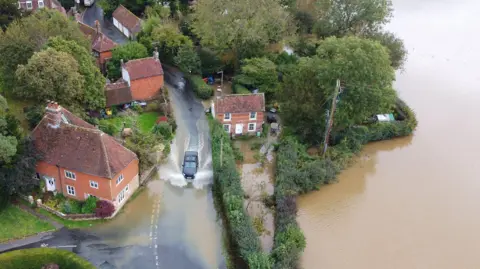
<point>412,202</point>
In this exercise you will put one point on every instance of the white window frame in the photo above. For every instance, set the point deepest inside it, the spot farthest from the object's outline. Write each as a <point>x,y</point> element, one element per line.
<point>70,190</point>
<point>254,127</point>
<point>42,5</point>
<point>72,175</point>
<point>229,116</point>
<point>250,116</point>
<point>93,184</point>
<point>123,194</point>
<point>229,127</point>
<point>119,179</point>
<point>31,5</point>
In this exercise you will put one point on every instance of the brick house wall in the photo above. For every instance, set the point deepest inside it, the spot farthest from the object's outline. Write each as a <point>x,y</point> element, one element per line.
<point>102,59</point>
<point>244,119</point>
<point>131,177</point>
<point>146,88</point>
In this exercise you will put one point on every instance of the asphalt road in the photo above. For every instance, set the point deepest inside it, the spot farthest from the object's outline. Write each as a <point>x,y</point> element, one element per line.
<point>95,13</point>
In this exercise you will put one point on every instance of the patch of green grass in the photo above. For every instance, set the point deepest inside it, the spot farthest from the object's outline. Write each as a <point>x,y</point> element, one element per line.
<point>16,107</point>
<point>16,223</point>
<point>38,257</point>
<point>72,224</point>
<point>146,121</point>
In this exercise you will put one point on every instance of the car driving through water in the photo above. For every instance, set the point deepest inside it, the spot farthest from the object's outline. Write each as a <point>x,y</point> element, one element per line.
<point>190,164</point>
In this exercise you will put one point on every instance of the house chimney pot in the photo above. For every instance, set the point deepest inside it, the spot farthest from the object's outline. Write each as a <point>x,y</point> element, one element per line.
<point>53,114</point>
<point>97,26</point>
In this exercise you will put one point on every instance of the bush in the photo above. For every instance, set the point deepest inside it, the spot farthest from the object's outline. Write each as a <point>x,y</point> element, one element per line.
<point>90,205</point>
<point>72,207</point>
<point>34,115</point>
<point>137,108</point>
<point>38,257</point>
<point>152,107</point>
<point>104,209</point>
<point>108,128</point>
<point>173,123</point>
<point>240,89</point>
<point>229,192</point>
<point>202,90</point>
<point>164,129</point>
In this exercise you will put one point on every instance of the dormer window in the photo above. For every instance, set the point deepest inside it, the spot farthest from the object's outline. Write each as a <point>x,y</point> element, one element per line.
<point>253,115</point>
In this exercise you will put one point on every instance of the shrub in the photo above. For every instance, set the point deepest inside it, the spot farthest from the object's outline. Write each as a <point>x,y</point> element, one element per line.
<point>164,129</point>
<point>90,205</point>
<point>152,107</point>
<point>104,209</point>
<point>229,192</point>
<point>72,207</point>
<point>34,115</point>
<point>240,89</point>
<point>93,121</point>
<point>202,90</point>
<point>108,128</point>
<point>137,108</point>
<point>39,257</point>
<point>173,123</point>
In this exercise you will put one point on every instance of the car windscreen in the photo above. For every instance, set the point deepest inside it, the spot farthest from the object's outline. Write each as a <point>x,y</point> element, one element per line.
<point>190,165</point>
<point>190,158</point>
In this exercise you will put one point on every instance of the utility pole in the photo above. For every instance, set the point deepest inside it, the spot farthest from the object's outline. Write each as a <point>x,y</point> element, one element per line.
<point>221,81</point>
<point>221,152</point>
<point>330,116</point>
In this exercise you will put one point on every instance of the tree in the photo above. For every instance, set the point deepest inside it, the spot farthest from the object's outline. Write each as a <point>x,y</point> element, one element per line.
<point>8,148</point>
<point>93,94</point>
<point>28,35</point>
<point>362,65</point>
<point>108,6</point>
<point>3,104</point>
<point>242,27</point>
<point>396,48</point>
<point>187,60</point>
<point>157,11</point>
<point>259,73</point>
<point>210,62</point>
<point>9,11</point>
<point>126,52</point>
<point>67,4</point>
<point>51,75</point>
<point>358,17</point>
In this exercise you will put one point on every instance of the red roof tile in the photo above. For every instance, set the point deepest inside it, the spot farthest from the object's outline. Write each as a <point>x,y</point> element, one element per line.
<point>127,19</point>
<point>118,93</point>
<point>143,68</point>
<point>67,141</point>
<point>100,42</point>
<point>240,103</point>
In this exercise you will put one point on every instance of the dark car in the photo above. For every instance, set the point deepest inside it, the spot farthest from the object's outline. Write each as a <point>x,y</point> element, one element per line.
<point>190,164</point>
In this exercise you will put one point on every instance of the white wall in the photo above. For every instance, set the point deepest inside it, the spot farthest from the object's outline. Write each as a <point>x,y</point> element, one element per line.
<point>125,76</point>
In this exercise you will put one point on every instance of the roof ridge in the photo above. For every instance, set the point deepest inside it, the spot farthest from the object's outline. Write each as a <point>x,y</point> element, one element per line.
<point>130,11</point>
<point>146,58</point>
<point>109,170</point>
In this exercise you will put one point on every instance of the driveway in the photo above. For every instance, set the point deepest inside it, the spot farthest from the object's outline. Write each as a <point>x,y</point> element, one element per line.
<point>95,13</point>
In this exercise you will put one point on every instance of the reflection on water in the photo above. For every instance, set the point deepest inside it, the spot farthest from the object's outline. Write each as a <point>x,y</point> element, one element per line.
<point>412,203</point>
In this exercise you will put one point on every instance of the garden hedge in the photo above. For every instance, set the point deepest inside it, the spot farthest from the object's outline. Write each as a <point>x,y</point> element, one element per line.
<point>298,173</point>
<point>38,257</point>
<point>229,193</point>
<point>201,89</point>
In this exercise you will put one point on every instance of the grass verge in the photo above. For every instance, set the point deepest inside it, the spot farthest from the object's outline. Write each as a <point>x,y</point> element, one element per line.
<point>38,257</point>
<point>16,223</point>
<point>72,224</point>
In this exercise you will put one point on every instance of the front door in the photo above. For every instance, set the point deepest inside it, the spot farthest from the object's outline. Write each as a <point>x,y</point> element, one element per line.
<point>49,183</point>
<point>238,128</point>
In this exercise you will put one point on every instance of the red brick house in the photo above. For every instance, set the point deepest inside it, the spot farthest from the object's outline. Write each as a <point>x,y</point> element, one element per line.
<point>240,113</point>
<point>79,160</point>
<point>126,22</point>
<point>32,5</point>
<point>101,45</point>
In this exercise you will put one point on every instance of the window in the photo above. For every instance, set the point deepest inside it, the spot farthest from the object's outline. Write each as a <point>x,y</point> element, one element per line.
<point>121,195</point>
<point>226,127</point>
<point>40,4</point>
<point>29,5</point>
<point>94,184</point>
<point>227,116</point>
<point>119,179</point>
<point>71,190</point>
<point>252,127</point>
<point>253,115</point>
<point>70,175</point>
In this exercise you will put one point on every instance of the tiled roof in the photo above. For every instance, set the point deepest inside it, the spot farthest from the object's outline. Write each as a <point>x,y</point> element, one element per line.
<point>51,4</point>
<point>240,103</point>
<point>127,19</point>
<point>78,146</point>
<point>143,68</point>
<point>100,42</point>
<point>118,93</point>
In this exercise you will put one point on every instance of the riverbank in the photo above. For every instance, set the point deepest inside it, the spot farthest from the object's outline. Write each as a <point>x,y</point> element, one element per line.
<point>315,171</point>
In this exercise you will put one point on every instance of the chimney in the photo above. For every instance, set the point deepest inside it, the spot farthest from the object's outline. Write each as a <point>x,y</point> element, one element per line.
<point>53,114</point>
<point>155,54</point>
<point>121,62</point>
<point>97,26</point>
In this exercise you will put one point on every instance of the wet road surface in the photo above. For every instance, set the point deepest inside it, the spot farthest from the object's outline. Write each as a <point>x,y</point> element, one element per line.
<point>95,13</point>
<point>412,202</point>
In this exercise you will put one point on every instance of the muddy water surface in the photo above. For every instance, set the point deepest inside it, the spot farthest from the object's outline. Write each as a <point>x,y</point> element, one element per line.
<point>413,202</point>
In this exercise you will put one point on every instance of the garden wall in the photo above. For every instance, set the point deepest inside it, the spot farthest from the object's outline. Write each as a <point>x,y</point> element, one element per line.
<point>291,180</point>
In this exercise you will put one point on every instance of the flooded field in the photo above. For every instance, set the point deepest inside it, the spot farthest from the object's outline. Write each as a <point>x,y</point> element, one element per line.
<point>412,202</point>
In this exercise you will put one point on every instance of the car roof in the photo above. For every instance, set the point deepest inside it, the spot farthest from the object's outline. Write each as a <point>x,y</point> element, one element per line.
<point>191,153</point>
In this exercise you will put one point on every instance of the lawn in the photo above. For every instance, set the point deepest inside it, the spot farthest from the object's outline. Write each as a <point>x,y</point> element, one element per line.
<point>38,257</point>
<point>71,224</point>
<point>16,223</point>
<point>146,121</point>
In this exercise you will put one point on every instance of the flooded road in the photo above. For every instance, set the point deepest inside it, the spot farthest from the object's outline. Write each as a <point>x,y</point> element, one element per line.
<point>412,202</point>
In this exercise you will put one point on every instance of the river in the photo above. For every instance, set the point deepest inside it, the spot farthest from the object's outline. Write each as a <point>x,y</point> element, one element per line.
<point>412,202</point>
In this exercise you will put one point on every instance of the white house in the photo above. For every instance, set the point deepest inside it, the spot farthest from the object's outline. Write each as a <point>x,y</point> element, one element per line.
<point>126,22</point>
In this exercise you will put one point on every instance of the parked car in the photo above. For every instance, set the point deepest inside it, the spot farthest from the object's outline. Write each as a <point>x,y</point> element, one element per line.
<point>190,164</point>
<point>271,118</point>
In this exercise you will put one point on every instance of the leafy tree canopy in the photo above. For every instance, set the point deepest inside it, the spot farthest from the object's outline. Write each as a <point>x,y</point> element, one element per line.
<point>137,7</point>
<point>93,95</point>
<point>9,11</point>
<point>358,17</point>
<point>126,52</point>
<point>362,65</point>
<point>240,26</point>
<point>51,75</point>
<point>396,48</point>
<point>187,60</point>
<point>259,73</point>
<point>28,35</point>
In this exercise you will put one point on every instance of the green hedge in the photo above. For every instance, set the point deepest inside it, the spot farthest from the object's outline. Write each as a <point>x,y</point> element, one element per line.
<point>228,191</point>
<point>298,173</point>
<point>201,89</point>
<point>38,257</point>
<point>240,89</point>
